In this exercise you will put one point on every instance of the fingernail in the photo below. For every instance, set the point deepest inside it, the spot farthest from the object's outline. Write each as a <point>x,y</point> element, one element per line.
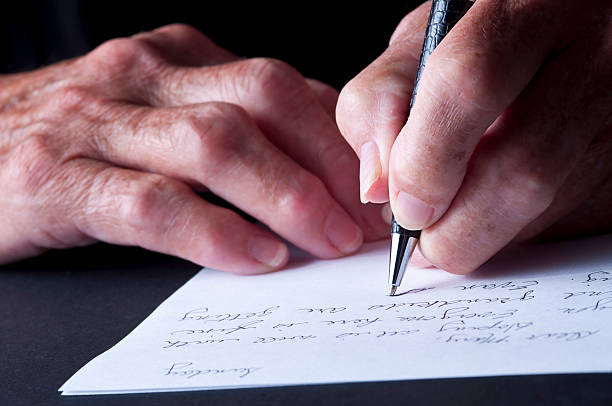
<point>386,213</point>
<point>369,170</point>
<point>412,213</point>
<point>267,250</point>
<point>342,232</point>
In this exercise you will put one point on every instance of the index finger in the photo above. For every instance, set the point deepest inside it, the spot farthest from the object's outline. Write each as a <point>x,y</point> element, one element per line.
<point>373,106</point>
<point>469,80</point>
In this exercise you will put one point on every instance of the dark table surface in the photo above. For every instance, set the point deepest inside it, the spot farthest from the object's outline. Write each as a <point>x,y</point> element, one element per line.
<point>62,309</point>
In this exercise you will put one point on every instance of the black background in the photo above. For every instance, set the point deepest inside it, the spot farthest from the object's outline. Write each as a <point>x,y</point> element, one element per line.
<point>60,310</point>
<point>331,41</point>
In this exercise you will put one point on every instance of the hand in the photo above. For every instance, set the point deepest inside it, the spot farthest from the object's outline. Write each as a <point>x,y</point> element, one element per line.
<point>112,145</point>
<point>510,136</point>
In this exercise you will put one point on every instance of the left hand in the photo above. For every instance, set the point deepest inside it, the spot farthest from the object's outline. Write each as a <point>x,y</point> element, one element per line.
<point>110,146</point>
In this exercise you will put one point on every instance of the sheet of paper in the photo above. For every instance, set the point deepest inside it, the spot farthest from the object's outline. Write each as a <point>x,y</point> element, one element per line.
<point>537,310</point>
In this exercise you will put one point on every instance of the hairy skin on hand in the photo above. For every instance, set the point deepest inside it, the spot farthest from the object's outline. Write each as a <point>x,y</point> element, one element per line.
<point>112,146</point>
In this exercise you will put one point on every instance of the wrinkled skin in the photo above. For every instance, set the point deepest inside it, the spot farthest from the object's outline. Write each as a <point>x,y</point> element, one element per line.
<point>510,136</point>
<point>113,145</point>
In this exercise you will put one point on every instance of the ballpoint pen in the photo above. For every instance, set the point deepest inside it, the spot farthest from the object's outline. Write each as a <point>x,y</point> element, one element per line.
<point>443,16</point>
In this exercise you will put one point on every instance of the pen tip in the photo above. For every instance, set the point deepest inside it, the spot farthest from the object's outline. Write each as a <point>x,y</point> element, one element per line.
<point>393,289</point>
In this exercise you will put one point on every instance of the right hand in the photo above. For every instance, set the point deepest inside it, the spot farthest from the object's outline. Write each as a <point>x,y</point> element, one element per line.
<point>509,138</point>
<point>111,146</point>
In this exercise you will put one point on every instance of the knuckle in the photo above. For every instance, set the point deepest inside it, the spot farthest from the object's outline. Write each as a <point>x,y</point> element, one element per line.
<point>303,199</point>
<point>144,206</point>
<point>351,102</point>
<point>183,32</point>
<point>273,79</point>
<point>228,113</point>
<point>409,31</point>
<point>120,57</point>
<point>217,134</point>
<point>365,111</point>
<point>456,79</point>
<point>270,69</point>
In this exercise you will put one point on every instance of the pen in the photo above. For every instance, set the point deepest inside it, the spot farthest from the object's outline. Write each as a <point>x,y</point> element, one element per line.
<point>443,16</point>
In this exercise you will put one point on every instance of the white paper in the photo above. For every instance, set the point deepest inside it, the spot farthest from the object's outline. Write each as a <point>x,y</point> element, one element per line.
<point>536,310</point>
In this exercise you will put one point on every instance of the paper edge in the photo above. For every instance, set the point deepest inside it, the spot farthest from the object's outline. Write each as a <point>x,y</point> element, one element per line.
<point>285,384</point>
<point>61,388</point>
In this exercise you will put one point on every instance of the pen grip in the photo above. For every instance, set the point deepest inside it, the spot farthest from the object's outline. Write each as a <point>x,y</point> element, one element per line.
<point>443,16</point>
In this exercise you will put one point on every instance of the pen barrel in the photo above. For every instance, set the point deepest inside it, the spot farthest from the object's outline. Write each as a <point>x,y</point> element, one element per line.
<point>443,16</point>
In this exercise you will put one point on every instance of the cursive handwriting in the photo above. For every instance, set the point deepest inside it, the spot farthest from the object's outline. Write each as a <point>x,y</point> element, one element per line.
<point>442,303</point>
<point>589,293</point>
<point>416,290</point>
<point>601,304</point>
<point>323,310</point>
<point>267,340</point>
<point>203,315</point>
<point>509,285</point>
<point>461,325</point>
<point>377,334</point>
<point>180,343</point>
<point>464,313</point>
<point>421,317</point>
<point>571,336</point>
<point>356,322</point>
<point>182,369</point>
<point>226,331</point>
<point>599,276</point>
<point>283,326</point>
<point>473,313</point>
<point>490,338</point>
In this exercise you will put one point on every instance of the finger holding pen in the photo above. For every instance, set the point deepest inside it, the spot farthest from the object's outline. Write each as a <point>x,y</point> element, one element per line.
<point>373,106</point>
<point>496,126</point>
